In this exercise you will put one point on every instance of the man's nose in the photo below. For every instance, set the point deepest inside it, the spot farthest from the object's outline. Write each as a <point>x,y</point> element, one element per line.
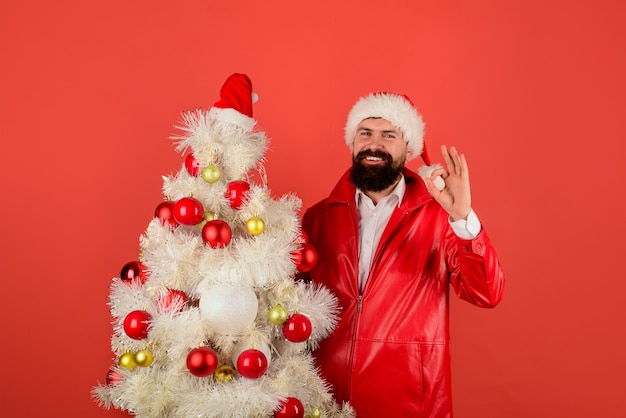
<point>378,140</point>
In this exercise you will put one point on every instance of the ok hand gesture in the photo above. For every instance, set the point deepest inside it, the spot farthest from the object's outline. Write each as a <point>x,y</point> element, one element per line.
<point>454,197</point>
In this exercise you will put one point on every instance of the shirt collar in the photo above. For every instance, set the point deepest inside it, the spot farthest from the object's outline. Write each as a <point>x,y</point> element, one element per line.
<point>398,191</point>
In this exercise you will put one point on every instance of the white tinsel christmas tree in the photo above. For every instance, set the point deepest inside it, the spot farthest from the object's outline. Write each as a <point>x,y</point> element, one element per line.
<point>211,321</point>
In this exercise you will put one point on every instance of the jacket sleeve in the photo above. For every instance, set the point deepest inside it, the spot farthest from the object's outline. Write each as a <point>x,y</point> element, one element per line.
<point>475,271</point>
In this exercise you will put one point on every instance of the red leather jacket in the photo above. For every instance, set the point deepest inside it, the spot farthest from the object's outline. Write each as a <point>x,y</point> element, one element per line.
<point>389,355</point>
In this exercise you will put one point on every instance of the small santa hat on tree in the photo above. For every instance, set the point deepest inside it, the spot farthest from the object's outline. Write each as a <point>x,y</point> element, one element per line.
<point>235,103</point>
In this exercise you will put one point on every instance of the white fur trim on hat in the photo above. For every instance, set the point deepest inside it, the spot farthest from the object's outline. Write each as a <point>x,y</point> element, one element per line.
<point>394,108</point>
<point>229,115</point>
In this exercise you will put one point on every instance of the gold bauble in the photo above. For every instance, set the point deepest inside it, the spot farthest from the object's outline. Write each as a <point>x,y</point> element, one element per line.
<point>208,216</point>
<point>255,225</point>
<point>224,373</point>
<point>127,361</point>
<point>211,173</point>
<point>315,413</point>
<point>143,358</point>
<point>277,315</point>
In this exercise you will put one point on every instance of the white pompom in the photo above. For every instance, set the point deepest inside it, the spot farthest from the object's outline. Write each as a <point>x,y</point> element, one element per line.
<point>255,97</point>
<point>227,309</point>
<point>439,183</point>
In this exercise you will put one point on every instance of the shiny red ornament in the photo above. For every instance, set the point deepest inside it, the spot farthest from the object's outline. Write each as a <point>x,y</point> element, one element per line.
<point>307,258</point>
<point>188,211</point>
<point>296,256</point>
<point>192,165</point>
<point>303,237</point>
<point>252,364</point>
<point>297,328</point>
<point>134,271</point>
<point>174,298</point>
<point>236,193</point>
<point>113,376</point>
<point>290,408</point>
<point>165,212</point>
<point>202,361</point>
<point>136,324</point>
<point>216,233</point>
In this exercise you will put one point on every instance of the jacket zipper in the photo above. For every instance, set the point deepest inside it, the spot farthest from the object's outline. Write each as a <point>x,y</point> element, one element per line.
<point>358,319</point>
<point>356,327</point>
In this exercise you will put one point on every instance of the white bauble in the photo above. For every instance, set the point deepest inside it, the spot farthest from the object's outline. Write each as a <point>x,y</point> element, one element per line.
<point>228,310</point>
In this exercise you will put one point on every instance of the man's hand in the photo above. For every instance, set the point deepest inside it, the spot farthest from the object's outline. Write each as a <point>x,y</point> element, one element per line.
<point>455,197</point>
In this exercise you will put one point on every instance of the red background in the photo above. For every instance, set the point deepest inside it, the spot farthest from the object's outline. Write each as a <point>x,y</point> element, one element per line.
<point>531,91</point>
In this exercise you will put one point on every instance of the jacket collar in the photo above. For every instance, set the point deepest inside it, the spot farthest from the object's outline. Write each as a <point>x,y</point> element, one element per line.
<point>415,195</point>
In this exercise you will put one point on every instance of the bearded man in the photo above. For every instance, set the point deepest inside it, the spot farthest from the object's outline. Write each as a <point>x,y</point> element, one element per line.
<point>391,244</point>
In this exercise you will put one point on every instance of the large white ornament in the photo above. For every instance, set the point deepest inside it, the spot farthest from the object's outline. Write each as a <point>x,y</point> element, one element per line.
<point>228,310</point>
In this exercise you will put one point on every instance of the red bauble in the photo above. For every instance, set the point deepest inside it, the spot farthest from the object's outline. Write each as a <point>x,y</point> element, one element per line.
<point>236,193</point>
<point>188,211</point>
<point>134,271</point>
<point>296,256</point>
<point>113,376</point>
<point>136,324</point>
<point>290,408</point>
<point>252,364</point>
<point>216,233</point>
<point>202,361</point>
<point>165,212</point>
<point>173,298</point>
<point>307,259</point>
<point>297,328</point>
<point>192,165</point>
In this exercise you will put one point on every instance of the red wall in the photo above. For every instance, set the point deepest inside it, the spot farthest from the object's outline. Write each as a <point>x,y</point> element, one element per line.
<point>532,91</point>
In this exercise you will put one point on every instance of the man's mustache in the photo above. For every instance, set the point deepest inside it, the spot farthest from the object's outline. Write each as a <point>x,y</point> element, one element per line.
<point>368,153</point>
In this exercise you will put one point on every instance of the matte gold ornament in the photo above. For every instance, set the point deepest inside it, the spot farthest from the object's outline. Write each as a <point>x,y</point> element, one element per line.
<point>143,358</point>
<point>315,413</point>
<point>208,216</point>
<point>255,225</point>
<point>127,361</point>
<point>277,315</point>
<point>211,174</point>
<point>224,373</point>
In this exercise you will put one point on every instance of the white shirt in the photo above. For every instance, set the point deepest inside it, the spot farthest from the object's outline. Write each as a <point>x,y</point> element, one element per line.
<point>373,220</point>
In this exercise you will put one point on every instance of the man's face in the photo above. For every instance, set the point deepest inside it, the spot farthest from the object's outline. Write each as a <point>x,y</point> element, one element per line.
<point>378,155</point>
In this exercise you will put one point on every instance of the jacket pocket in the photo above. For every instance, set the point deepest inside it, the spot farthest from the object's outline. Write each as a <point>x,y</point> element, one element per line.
<point>388,379</point>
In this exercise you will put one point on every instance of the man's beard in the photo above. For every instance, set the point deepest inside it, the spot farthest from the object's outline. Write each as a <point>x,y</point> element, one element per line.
<point>374,178</point>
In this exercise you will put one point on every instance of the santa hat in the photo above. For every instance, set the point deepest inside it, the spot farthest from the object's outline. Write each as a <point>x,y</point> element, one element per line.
<point>235,103</point>
<point>395,108</point>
